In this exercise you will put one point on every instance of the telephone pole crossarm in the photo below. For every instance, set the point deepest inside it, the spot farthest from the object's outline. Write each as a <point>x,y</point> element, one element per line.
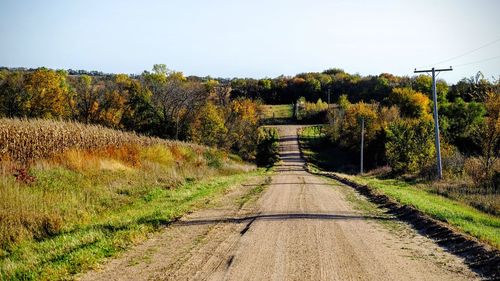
<point>430,70</point>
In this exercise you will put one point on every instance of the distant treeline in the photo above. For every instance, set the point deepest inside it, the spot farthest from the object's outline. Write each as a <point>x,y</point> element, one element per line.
<point>215,112</point>
<point>334,82</point>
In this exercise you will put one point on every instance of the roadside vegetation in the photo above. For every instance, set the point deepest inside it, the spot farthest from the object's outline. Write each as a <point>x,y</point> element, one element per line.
<point>461,212</point>
<point>73,194</point>
<point>399,143</point>
<point>268,147</point>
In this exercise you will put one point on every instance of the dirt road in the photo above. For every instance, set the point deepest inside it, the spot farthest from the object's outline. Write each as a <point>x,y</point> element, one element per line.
<point>303,227</point>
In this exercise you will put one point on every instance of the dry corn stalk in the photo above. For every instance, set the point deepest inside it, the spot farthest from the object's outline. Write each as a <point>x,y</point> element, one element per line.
<point>26,140</point>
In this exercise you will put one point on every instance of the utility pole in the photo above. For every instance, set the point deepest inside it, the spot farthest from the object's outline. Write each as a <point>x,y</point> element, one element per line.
<point>362,142</point>
<point>436,117</point>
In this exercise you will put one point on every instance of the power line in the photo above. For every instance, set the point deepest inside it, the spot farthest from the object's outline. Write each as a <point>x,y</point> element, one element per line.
<point>464,54</point>
<point>475,62</point>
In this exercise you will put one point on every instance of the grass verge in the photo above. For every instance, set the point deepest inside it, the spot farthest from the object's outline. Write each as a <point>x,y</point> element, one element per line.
<point>83,247</point>
<point>465,218</point>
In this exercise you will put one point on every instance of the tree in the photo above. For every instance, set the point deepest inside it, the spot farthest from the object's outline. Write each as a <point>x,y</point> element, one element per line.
<point>208,127</point>
<point>410,145</point>
<point>242,122</point>
<point>85,101</point>
<point>459,122</point>
<point>172,97</point>
<point>489,133</point>
<point>138,113</point>
<point>351,136</point>
<point>45,94</point>
<point>412,104</point>
<point>12,98</point>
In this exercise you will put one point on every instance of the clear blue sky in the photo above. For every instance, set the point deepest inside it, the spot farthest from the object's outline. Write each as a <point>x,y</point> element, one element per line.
<point>251,38</point>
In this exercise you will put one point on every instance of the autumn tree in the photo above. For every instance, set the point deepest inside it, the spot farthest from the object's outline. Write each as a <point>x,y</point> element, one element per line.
<point>208,127</point>
<point>45,94</point>
<point>242,123</point>
<point>488,138</point>
<point>85,99</point>
<point>412,104</point>
<point>410,145</point>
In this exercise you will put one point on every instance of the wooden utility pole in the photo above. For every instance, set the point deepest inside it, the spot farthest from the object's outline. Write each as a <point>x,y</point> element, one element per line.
<point>362,143</point>
<point>436,116</point>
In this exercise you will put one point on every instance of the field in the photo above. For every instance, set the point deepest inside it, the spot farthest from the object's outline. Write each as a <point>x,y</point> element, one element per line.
<point>281,113</point>
<point>422,196</point>
<point>67,207</point>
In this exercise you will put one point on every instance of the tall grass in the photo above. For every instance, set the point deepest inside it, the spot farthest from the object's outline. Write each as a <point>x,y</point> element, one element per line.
<point>89,175</point>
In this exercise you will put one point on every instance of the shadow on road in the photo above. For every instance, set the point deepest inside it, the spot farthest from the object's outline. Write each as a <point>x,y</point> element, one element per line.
<point>280,217</point>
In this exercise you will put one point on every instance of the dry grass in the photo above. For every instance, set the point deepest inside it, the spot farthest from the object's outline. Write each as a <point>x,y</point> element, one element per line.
<point>81,171</point>
<point>24,141</point>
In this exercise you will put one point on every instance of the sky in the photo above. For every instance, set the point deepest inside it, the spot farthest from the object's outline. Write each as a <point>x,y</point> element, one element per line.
<point>253,38</point>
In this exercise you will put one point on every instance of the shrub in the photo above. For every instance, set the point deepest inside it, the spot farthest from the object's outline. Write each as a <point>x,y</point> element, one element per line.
<point>214,158</point>
<point>453,161</point>
<point>410,145</point>
<point>312,112</point>
<point>267,147</point>
<point>483,174</point>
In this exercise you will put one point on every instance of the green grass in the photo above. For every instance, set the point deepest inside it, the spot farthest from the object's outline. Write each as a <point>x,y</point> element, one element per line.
<point>83,246</point>
<point>254,192</point>
<point>463,217</point>
<point>280,111</point>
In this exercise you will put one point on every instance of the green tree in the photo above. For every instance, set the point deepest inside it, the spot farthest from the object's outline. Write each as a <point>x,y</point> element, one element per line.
<point>208,128</point>
<point>12,98</point>
<point>410,145</point>
<point>459,121</point>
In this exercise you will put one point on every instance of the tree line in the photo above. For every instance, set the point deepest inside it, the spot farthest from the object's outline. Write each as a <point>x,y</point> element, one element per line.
<point>399,133</point>
<point>336,82</point>
<point>224,113</point>
<point>160,102</point>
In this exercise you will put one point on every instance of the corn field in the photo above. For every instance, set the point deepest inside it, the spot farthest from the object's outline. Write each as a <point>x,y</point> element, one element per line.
<point>24,141</point>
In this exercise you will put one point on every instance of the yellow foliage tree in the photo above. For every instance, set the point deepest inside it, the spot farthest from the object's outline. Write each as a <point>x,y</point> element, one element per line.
<point>352,123</point>
<point>412,104</point>
<point>46,94</point>
<point>208,127</point>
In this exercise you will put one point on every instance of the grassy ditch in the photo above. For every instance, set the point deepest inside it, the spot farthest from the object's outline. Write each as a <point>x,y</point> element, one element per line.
<point>463,217</point>
<point>485,227</point>
<point>135,207</point>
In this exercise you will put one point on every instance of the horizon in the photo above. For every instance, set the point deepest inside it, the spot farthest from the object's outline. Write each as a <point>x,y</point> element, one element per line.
<point>253,39</point>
